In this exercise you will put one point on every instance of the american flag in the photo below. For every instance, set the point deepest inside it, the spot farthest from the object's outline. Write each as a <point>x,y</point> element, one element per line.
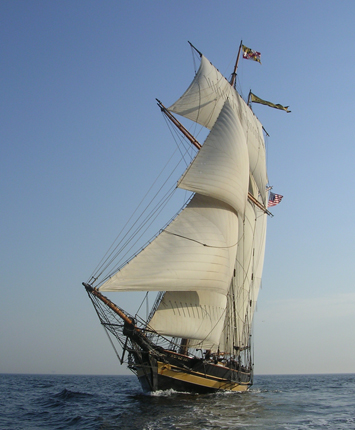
<point>274,199</point>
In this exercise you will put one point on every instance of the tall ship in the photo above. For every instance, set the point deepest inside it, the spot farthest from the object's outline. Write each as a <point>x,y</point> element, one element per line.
<point>205,265</point>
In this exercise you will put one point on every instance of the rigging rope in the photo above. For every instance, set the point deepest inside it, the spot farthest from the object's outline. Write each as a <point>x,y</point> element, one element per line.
<point>107,255</point>
<point>148,218</point>
<point>119,244</point>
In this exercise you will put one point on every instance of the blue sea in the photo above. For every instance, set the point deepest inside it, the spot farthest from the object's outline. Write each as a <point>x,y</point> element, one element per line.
<point>117,402</point>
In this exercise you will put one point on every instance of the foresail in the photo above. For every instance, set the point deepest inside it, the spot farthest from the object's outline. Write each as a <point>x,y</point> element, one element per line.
<point>195,315</point>
<point>195,252</point>
<point>202,102</point>
<point>221,167</point>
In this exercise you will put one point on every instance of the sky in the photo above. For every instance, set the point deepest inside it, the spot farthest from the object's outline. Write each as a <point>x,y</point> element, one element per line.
<point>81,138</point>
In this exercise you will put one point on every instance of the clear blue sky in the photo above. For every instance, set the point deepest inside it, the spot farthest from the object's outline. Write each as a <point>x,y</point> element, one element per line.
<point>81,137</point>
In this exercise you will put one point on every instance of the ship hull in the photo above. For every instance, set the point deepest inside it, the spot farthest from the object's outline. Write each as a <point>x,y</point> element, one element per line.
<point>202,378</point>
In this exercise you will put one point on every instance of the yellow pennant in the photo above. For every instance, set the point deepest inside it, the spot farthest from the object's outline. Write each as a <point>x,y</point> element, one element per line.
<point>256,99</point>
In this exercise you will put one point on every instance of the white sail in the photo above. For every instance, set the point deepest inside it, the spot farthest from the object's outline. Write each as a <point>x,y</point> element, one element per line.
<point>234,332</point>
<point>228,335</point>
<point>205,97</point>
<point>246,283</point>
<point>192,315</point>
<point>259,254</point>
<point>244,273</point>
<point>202,103</point>
<point>221,168</point>
<point>195,252</point>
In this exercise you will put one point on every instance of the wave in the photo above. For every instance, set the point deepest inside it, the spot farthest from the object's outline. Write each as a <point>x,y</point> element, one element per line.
<point>59,399</point>
<point>67,394</point>
<point>168,393</point>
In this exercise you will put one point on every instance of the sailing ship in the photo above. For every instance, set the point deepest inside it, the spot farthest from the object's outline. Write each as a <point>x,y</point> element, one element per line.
<point>206,264</point>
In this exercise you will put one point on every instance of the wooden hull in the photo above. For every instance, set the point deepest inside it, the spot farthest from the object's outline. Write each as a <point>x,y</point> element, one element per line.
<point>165,376</point>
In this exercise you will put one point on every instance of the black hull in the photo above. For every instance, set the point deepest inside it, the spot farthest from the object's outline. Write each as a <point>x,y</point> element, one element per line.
<point>184,374</point>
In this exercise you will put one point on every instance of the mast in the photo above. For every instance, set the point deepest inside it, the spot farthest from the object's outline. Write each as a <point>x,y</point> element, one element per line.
<point>234,74</point>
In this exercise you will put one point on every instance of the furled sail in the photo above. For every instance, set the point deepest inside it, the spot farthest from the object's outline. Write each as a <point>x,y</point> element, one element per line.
<point>202,103</point>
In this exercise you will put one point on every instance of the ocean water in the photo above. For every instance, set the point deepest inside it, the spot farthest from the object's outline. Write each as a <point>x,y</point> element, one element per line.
<point>116,402</point>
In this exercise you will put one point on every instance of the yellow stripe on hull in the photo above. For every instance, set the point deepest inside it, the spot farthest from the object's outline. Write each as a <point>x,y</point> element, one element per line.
<point>200,379</point>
